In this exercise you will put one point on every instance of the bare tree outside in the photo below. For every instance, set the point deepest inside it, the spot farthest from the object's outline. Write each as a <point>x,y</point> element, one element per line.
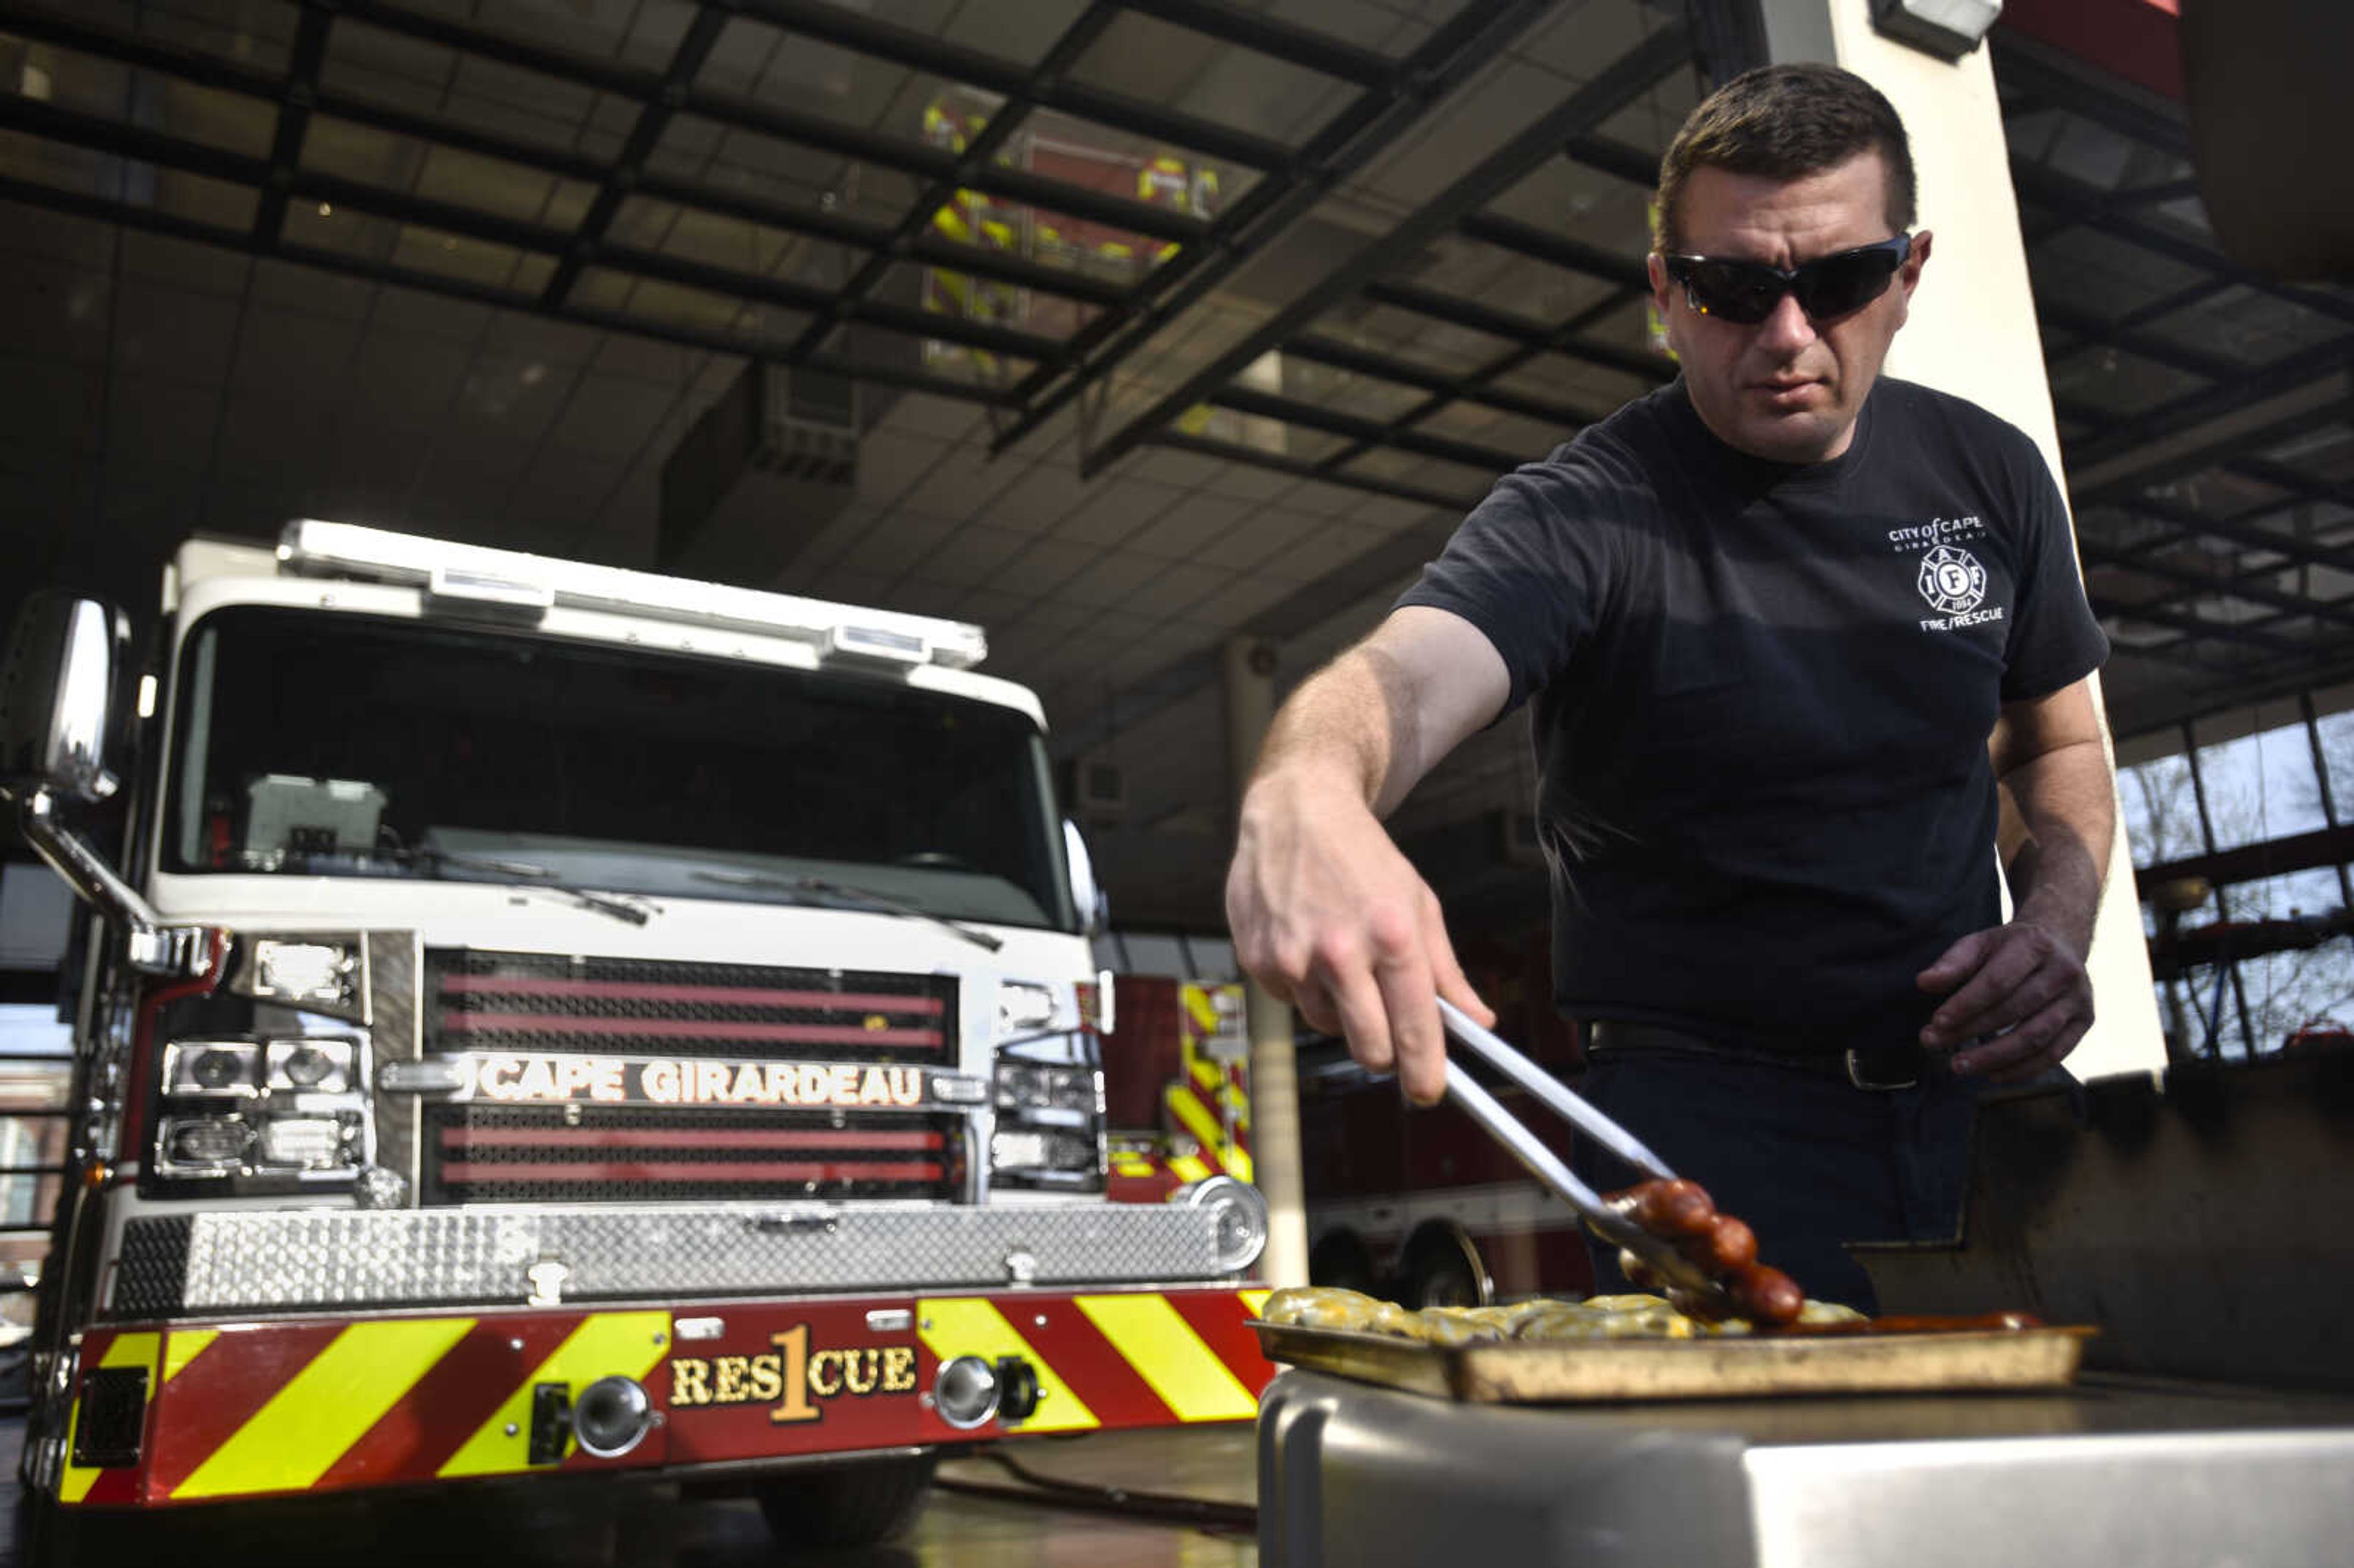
<point>2258,787</point>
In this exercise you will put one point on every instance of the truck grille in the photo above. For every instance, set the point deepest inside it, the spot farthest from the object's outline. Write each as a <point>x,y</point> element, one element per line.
<point>478,1001</point>
<point>614,1154</point>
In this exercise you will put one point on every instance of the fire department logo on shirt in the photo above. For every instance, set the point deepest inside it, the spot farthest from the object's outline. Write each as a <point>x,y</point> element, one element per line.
<point>1952,580</point>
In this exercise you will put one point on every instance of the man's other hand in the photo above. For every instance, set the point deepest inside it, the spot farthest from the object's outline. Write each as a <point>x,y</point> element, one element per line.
<point>1330,917</point>
<point>2019,990</point>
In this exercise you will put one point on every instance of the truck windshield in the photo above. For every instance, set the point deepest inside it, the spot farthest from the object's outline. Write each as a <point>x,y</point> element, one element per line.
<point>346,746</point>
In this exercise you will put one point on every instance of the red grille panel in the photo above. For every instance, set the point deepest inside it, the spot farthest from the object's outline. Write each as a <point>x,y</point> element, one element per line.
<point>527,1001</point>
<point>477,1153</point>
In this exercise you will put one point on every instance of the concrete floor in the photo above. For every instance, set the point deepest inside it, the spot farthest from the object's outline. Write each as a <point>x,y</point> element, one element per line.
<point>650,1526</point>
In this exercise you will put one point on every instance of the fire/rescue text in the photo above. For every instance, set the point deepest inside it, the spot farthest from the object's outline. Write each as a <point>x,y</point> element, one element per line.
<point>791,1377</point>
<point>664,1082</point>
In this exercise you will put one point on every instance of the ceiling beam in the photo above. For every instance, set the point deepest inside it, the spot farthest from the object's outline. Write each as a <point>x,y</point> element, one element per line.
<point>2195,584</point>
<point>2133,470</point>
<point>2213,404</point>
<point>2059,81</point>
<point>1618,84</point>
<point>1464,44</point>
<point>1478,387</point>
<point>1361,430</point>
<point>2065,193</point>
<point>910,157</point>
<point>1567,332</point>
<point>861,32</point>
<point>653,118</point>
<point>302,87</point>
<point>137,142</point>
<point>973,159</point>
<point>1267,35</point>
<point>225,76</point>
<point>151,220</point>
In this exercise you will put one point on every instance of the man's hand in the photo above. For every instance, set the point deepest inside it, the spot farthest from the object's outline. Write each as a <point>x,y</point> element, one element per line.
<point>1329,915</point>
<point>1325,912</point>
<point>2019,986</point>
<point>2020,990</point>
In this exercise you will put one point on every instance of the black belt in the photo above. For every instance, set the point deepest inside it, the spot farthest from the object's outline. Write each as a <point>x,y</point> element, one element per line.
<point>1884,1067</point>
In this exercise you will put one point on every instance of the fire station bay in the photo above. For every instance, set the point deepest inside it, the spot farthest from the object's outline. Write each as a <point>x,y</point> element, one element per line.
<point>1152,782</point>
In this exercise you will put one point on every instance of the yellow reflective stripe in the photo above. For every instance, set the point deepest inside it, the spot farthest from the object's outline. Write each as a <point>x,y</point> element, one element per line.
<point>1256,1300</point>
<point>1197,1118</point>
<point>970,1326</point>
<point>345,1389</point>
<point>1205,1073</point>
<point>1199,1003</point>
<point>1130,1165</point>
<point>1189,1168</point>
<point>605,1344</point>
<point>1238,1163</point>
<point>1165,1351</point>
<point>128,1350</point>
<point>182,1347</point>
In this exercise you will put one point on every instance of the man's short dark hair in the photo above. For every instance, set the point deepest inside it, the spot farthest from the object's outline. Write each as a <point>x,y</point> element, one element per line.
<point>1783,121</point>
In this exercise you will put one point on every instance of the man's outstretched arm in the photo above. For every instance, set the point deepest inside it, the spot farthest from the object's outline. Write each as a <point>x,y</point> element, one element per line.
<point>2027,978</point>
<point>1325,912</point>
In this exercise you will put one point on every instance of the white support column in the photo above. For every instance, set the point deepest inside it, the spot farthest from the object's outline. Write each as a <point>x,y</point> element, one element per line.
<point>1973,333</point>
<point>1248,668</point>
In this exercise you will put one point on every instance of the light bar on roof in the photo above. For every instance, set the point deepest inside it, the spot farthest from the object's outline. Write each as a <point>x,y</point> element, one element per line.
<point>311,546</point>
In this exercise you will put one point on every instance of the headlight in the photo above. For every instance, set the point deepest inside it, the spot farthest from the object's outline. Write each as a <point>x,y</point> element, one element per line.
<point>274,1110</point>
<point>309,1143</point>
<point>1042,1148</point>
<point>213,1144</point>
<point>1024,1007</point>
<point>321,1064</point>
<point>307,974</point>
<point>1033,1085</point>
<point>213,1067</point>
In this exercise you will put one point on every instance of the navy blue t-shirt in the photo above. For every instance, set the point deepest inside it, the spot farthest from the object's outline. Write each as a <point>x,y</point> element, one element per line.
<point>1761,695</point>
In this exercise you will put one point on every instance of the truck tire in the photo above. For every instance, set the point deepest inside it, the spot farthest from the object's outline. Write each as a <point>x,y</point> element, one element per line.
<point>1443,1268</point>
<point>857,1503</point>
<point>1341,1261</point>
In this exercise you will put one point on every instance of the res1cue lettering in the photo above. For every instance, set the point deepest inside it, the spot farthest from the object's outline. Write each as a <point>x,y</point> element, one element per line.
<point>791,1377</point>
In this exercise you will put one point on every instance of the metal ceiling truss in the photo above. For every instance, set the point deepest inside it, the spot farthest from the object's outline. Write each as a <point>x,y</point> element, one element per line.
<point>2131,463</point>
<point>1346,145</point>
<point>1392,95</point>
<point>1456,209</point>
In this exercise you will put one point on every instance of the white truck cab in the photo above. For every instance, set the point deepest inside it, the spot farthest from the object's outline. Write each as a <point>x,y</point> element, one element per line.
<point>493,933</point>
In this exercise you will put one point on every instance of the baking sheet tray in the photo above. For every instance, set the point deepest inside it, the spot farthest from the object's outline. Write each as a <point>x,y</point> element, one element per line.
<point>1535,1372</point>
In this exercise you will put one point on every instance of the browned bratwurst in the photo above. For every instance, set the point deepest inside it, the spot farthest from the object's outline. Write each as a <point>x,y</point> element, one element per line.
<point>1681,1211</point>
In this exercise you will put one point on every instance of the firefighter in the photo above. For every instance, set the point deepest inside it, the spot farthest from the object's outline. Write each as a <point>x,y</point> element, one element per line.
<point>1782,627</point>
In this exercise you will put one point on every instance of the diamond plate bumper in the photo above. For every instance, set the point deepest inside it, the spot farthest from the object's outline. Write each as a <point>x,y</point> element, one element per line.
<point>332,1258</point>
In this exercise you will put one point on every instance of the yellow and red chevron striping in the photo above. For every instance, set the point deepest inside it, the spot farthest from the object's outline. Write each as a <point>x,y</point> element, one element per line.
<point>221,1389</point>
<point>254,1408</point>
<point>449,1404</point>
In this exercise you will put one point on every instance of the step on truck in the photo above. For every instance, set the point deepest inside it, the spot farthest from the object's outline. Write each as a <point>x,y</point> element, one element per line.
<point>539,1018</point>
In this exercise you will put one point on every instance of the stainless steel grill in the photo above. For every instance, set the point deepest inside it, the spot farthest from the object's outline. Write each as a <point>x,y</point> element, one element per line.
<point>559,1154</point>
<point>477,1000</point>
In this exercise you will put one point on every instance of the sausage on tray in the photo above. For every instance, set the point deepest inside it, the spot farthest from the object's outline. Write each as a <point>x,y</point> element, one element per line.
<point>1681,1213</point>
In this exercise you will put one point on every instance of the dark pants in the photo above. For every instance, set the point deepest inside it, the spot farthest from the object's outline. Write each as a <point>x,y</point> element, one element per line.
<point>1807,1159</point>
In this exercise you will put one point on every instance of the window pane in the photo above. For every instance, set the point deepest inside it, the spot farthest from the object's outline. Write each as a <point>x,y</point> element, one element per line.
<point>2261,786</point>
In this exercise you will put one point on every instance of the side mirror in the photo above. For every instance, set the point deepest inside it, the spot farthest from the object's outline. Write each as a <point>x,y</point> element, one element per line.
<point>57,696</point>
<point>1087,896</point>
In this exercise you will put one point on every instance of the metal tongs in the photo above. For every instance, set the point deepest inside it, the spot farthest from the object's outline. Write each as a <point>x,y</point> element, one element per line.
<point>1546,1166</point>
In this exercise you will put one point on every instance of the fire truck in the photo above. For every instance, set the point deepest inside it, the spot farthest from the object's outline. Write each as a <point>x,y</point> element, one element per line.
<point>544,1018</point>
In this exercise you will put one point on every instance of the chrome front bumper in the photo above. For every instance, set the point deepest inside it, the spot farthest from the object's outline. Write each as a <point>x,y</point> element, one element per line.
<point>330,1259</point>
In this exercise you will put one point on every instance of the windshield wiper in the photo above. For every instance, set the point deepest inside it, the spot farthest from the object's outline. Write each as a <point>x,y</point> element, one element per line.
<point>522,871</point>
<point>818,887</point>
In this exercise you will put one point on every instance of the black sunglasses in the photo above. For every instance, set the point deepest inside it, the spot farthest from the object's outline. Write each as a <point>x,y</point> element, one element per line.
<point>1827,287</point>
